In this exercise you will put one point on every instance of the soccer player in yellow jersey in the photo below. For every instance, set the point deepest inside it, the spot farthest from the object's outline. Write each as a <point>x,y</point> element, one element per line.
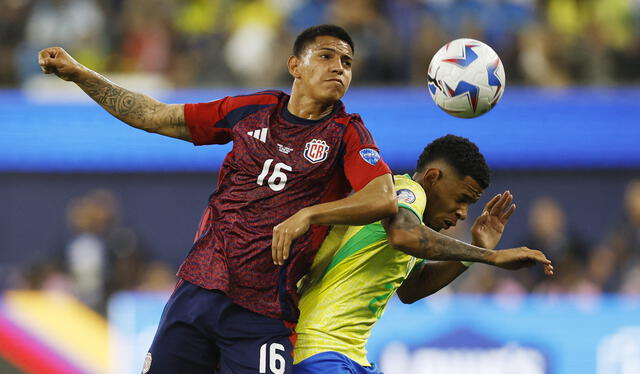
<point>358,268</point>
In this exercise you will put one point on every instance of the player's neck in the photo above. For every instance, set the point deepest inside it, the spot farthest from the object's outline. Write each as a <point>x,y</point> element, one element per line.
<point>305,107</point>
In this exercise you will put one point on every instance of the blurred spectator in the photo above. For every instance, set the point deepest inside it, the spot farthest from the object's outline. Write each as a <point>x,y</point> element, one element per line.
<point>372,36</point>
<point>252,50</point>
<point>200,32</point>
<point>146,41</point>
<point>12,14</point>
<point>631,282</point>
<point>615,264</point>
<point>539,58</point>
<point>45,276</point>
<point>549,232</point>
<point>76,25</point>
<point>158,277</point>
<point>101,256</point>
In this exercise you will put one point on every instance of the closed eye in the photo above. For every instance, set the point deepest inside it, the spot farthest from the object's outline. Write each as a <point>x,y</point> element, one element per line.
<point>465,199</point>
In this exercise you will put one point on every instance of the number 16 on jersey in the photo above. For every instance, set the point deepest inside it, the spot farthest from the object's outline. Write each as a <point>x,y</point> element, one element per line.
<point>278,178</point>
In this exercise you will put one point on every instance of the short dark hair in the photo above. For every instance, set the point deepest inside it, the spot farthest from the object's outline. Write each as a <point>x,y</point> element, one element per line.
<point>309,35</point>
<point>459,152</point>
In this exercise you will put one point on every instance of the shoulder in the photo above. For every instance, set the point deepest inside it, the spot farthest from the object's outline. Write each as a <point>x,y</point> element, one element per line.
<point>410,194</point>
<point>269,97</point>
<point>354,126</point>
<point>343,118</point>
<point>405,182</point>
<point>407,189</point>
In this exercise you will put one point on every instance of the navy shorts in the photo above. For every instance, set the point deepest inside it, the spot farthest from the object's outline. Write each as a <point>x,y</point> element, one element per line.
<point>203,332</point>
<point>332,363</point>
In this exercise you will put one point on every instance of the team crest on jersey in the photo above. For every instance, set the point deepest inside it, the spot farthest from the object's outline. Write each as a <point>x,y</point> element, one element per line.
<point>316,151</point>
<point>406,196</point>
<point>371,156</point>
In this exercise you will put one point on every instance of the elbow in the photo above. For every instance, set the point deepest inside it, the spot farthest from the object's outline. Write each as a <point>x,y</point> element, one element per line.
<point>406,299</point>
<point>391,208</point>
<point>397,240</point>
<point>387,206</point>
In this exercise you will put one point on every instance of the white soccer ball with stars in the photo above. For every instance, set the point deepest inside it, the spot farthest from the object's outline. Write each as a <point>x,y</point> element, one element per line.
<point>466,78</point>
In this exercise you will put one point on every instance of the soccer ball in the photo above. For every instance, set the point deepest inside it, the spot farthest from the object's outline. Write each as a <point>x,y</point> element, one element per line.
<point>466,78</point>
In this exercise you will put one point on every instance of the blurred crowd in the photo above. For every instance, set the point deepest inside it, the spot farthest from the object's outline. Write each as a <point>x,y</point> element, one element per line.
<point>195,43</point>
<point>97,256</point>
<point>611,265</point>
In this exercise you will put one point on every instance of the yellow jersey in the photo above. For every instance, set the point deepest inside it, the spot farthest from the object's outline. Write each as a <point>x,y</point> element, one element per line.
<point>354,274</point>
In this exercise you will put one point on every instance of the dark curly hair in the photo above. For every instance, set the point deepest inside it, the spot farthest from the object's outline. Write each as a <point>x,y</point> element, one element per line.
<point>459,152</point>
<point>309,35</point>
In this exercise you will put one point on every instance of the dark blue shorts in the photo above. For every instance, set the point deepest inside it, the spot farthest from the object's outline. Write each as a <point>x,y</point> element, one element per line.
<point>203,331</point>
<point>332,363</point>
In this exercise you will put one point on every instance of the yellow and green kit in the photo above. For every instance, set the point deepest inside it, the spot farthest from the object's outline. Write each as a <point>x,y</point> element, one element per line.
<point>353,276</point>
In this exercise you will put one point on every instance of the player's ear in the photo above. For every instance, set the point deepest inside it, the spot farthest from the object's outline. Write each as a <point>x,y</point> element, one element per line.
<point>294,66</point>
<point>430,177</point>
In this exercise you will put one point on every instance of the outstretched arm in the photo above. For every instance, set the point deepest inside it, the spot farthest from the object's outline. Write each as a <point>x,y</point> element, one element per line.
<point>373,202</point>
<point>137,110</point>
<point>486,232</point>
<point>406,233</point>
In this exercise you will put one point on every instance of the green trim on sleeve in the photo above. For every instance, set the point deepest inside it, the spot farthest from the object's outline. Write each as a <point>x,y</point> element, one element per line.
<point>412,209</point>
<point>367,235</point>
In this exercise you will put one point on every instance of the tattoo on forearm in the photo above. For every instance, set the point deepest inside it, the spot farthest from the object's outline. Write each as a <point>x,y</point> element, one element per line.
<point>133,108</point>
<point>436,246</point>
<point>117,100</point>
<point>443,247</point>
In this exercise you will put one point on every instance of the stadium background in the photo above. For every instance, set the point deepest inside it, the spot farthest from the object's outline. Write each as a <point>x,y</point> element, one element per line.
<point>95,217</point>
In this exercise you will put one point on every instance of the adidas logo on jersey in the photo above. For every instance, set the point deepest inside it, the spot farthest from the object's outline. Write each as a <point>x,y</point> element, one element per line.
<point>260,134</point>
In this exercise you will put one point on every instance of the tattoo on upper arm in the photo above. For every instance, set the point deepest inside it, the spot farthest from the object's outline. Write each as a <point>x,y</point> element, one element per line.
<point>174,118</point>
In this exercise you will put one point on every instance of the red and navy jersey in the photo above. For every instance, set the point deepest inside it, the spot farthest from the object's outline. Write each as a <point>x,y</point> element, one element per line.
<point>278,165</point>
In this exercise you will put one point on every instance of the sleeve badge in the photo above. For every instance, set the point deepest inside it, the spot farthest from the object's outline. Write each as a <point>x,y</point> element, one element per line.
<point>406,196</point>
<point>370,156</point>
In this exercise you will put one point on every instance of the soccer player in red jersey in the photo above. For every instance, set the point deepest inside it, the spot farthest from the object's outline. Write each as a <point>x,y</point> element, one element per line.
<point>294,160</point>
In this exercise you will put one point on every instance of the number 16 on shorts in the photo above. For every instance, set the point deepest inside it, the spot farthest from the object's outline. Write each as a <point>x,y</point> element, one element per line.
<point>270,353</point>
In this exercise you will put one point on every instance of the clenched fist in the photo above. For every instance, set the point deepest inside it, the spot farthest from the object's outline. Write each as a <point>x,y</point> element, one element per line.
<point>57,61</point>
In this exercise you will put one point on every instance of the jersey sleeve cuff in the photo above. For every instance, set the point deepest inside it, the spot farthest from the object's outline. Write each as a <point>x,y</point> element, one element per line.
<point>194,121</point>
<point>358,181</point>
<point>409,207</point>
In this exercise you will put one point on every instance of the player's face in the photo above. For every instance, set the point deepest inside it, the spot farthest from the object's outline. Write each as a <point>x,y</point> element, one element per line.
<point>325,68</point>
<point>448,200</point>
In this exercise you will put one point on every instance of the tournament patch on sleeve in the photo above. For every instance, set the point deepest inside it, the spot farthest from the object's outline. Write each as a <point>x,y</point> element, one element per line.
<point>410,195</point>
<point>371,156</point>
<point>406,196</point>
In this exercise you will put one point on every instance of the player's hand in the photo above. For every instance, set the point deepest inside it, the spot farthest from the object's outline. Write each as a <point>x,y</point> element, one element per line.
<point>487,230</point>
<point>55,60</point>
<point>286,232</point>
<point>521,257</point>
